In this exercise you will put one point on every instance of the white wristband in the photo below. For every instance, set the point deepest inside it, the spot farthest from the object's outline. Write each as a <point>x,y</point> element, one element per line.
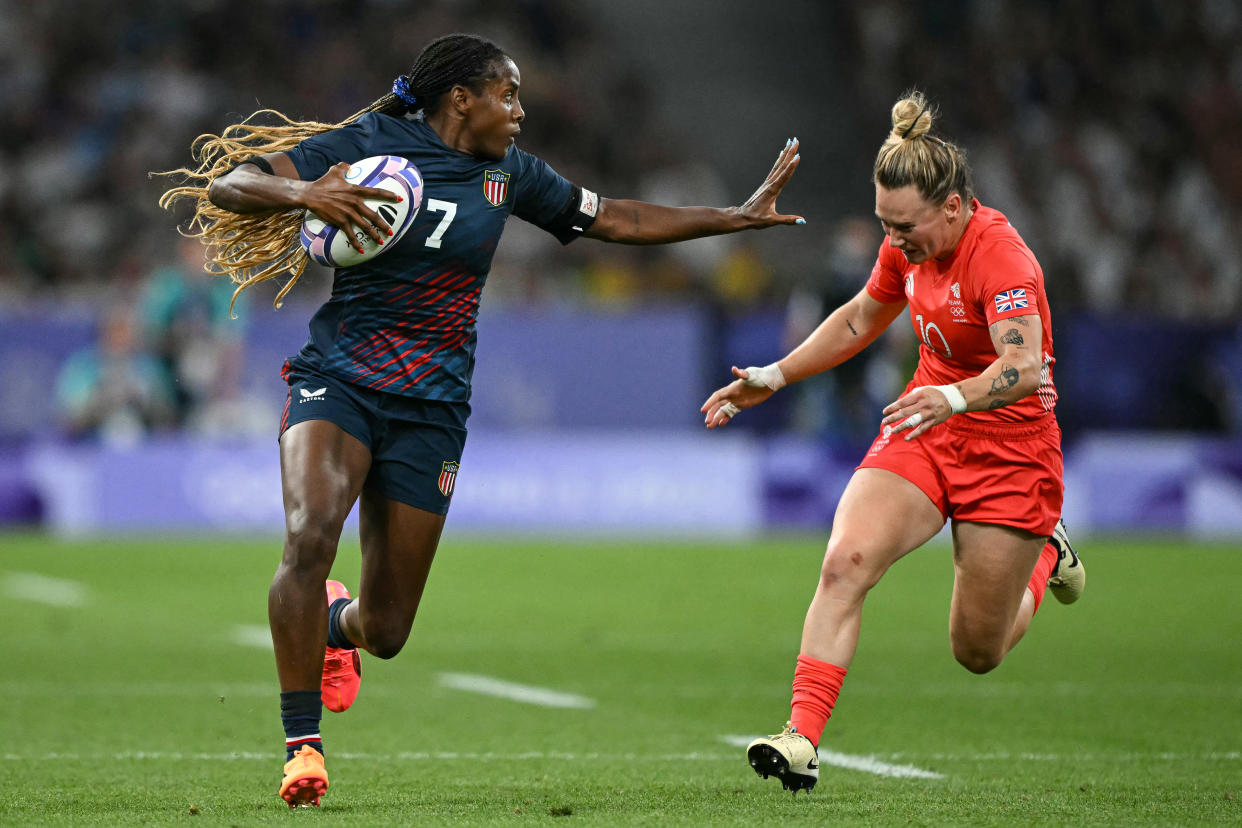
<point>956,401</point>
<point>768,376</point>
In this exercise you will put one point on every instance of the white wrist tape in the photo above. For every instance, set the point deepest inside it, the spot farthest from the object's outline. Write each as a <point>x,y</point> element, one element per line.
<point>768,376</point>
<point>956,401</point>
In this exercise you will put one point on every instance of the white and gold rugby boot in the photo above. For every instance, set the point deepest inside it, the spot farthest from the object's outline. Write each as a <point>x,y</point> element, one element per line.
<point>1069,577</point>
<point>789,756</point>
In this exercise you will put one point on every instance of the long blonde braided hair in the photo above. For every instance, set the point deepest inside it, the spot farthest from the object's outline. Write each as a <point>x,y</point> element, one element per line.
<point>251,248</point>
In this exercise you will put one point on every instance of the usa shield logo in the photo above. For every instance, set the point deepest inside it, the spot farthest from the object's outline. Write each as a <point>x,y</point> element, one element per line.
<point>448,476</point>
<point>495,187</point>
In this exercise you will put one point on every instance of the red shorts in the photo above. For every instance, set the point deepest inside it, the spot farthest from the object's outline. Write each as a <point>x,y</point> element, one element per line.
<point>1010,474</point>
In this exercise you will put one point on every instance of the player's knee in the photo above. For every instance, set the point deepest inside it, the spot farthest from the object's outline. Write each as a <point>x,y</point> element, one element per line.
<point>846,569</point>
<point>386,646</point>
<point>384,640</point>
<point>976,659</point>
<point>310,538</point>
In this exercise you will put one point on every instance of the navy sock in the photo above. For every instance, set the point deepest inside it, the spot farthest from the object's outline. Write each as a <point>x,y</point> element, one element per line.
<point>336,636</point>
<point>300,711</point>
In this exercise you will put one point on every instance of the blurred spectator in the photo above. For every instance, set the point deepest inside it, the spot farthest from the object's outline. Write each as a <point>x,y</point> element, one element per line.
<point>114,391</point>
<point>201,347</point>
<point>1120,170</point>
<point>226,406</point>
<point>1106,132</point>
<point>742,276</point>
<point>186,317</point>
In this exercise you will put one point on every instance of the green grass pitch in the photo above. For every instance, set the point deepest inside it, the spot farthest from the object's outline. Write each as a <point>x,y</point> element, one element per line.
<point>139,689</point>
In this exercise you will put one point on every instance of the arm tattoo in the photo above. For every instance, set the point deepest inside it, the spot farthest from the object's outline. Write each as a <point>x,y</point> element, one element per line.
<point>995,404</point>
<point>1008,379</point>
<point>1012,337</point>
<point>851,327</point>
<point>1013,320</point>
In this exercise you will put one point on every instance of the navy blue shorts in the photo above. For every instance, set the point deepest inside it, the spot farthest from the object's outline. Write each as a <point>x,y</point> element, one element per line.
<point>415,444</point>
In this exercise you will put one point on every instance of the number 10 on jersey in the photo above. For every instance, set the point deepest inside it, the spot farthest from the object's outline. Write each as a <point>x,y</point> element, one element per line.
<point>925,332</point>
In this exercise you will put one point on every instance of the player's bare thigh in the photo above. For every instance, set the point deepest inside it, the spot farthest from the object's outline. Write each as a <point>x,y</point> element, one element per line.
<point>322,470</point>
<point>992,565</point>
<point>399,543</point>
<point>881,517</point>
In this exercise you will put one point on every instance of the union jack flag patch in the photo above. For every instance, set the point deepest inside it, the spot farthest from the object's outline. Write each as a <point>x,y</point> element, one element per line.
<point>1011,300</point>
<point>448,476</point>
<point>495,186</point>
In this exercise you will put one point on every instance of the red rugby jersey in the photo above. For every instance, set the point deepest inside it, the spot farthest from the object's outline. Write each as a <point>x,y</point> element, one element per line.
<point>991,275</point>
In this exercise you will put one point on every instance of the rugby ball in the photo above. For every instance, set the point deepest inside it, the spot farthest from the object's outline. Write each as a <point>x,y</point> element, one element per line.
<point>331,246</point>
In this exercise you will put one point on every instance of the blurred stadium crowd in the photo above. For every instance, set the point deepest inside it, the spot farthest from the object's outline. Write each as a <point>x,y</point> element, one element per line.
<point>1106,131</point>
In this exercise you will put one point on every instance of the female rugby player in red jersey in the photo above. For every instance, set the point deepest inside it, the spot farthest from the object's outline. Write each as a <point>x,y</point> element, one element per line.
<point>973,438</point>
<point>379,395</point>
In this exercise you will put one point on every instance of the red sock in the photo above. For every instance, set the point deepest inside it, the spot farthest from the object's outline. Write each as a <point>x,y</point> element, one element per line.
<point>1043,568</point>
<point>815,688</point>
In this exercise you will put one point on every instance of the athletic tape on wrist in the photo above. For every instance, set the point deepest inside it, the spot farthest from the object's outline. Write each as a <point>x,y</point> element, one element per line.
<point>956,400</point>
<point>767,376</point>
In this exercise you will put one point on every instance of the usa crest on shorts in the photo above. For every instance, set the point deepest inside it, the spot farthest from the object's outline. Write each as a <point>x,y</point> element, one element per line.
<point>495,187</point>
<point>448,476</point>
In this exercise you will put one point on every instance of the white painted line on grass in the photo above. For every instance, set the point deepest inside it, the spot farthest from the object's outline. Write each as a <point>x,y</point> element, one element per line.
<point>1124,756</point>
<point>43,589</point>
<point>866,764</point>
<point>1066,689</point>
<point>869,764</point>
<point>524,693</point>
<point>138,689</point>
<point>253,635</point>
<point>420,756</point>
<point>404,756</point>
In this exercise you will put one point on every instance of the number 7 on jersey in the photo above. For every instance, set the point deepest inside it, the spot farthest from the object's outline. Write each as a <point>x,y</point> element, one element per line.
<point>450,211</point>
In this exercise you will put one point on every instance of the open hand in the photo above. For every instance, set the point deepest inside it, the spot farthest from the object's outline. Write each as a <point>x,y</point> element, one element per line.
<point>760,208</point>
<point>723,405</point>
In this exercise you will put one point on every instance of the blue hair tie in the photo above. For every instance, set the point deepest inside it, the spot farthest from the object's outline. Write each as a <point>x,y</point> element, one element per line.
<point>401,88</point>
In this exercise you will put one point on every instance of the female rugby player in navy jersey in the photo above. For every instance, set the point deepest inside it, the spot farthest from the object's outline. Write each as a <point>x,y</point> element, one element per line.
<point>378,397</point>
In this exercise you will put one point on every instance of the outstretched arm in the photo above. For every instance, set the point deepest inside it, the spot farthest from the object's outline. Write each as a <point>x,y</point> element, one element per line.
<point>638,222</point>
<point>845,332</point>
<point>247,189</point>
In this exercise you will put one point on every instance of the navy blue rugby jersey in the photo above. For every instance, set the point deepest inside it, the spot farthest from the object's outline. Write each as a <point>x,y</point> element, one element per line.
<point>404,322</point>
